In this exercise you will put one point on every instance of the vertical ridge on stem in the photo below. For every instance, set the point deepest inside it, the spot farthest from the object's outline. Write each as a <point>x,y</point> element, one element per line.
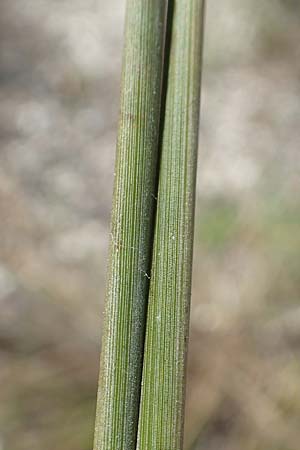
<point>163,384</point>
<point>131,228</point>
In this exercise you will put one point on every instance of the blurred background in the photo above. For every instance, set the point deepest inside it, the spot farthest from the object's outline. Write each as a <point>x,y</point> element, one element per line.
<point>59,99</point>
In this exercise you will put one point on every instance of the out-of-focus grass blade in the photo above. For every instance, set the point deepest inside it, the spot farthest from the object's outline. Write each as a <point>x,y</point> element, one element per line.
<point>163,386</point>
<point>131,228</point>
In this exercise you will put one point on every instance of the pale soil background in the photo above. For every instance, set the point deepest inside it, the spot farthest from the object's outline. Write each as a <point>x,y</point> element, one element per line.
<point>59,95</point>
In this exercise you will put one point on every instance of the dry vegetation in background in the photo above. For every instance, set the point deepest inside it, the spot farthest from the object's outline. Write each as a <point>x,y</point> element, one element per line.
<point>59,92</point>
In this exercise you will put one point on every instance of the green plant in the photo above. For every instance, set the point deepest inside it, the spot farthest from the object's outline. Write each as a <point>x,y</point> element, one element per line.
<point>159,421</point>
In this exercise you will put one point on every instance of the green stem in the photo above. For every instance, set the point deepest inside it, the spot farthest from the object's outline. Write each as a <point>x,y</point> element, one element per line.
<point>163,386</point>
<point>132,227</point>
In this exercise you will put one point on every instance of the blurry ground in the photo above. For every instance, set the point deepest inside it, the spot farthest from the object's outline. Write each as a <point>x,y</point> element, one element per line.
<point>59,94</point>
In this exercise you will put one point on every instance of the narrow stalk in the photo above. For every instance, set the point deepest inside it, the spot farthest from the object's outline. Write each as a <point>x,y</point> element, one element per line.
<point>163,386</point>
<point>131,228</point>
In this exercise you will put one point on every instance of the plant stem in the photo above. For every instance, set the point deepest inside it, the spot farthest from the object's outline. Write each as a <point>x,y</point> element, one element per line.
<point>131,228</point>
<point>163,386</point>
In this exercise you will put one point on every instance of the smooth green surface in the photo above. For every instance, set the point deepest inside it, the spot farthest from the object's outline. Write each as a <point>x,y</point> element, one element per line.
<point>132,227</point>
<point>163,387</point>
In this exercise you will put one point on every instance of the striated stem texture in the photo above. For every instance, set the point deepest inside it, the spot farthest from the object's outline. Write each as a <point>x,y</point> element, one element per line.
<point>163,385</point>
<point>131,228</point>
